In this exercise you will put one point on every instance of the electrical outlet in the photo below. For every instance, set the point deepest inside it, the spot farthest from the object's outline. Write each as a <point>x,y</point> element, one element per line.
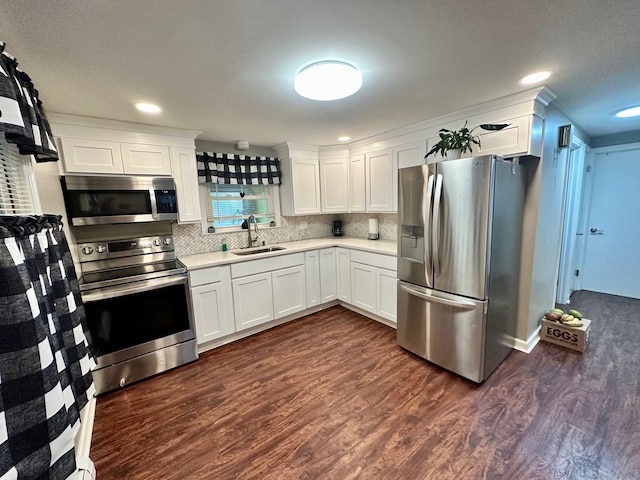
<point>303,225</point>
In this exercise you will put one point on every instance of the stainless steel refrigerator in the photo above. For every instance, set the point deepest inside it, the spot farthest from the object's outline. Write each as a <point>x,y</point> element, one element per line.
<point>459,236</point>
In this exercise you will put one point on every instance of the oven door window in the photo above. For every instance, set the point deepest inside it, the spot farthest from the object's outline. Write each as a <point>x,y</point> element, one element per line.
<point>101,203</point>
<point>130,320</point>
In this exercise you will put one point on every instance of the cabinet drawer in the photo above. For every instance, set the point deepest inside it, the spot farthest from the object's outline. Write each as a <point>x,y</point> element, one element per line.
<point>206,275</point>
<point>253,267</point>
<point>376,259</point>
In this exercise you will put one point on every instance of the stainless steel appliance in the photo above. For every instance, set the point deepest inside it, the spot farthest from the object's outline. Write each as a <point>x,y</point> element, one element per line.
<point>93,200</point>
<point>459,238</point>
<point>135,294</point>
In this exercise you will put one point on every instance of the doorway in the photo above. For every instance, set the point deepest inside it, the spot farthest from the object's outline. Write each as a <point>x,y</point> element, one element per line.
<point>572,245</point>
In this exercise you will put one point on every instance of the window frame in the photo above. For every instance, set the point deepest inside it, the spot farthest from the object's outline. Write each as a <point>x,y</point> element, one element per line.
<point>204,189</point>
<point>19,177</point>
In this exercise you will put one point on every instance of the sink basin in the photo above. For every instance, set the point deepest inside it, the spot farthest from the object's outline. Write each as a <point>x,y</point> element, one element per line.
<point>253,251</point>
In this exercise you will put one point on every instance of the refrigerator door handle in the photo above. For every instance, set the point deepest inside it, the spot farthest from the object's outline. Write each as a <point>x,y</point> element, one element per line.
<point>461,304</point>
<point>435,229</point>
<point>427,200</point>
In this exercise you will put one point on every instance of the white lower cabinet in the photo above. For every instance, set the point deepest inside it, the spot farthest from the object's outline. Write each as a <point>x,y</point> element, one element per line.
<point>387,293</point>
<point>252,300</point>
<point>312,275</point>
<point>363,286</point>
<point>268,289</point>
<point>373,283</point>
<point>328,275</point>
<point>343,274</point>
<point>211,303</point>
<point>289,291</point>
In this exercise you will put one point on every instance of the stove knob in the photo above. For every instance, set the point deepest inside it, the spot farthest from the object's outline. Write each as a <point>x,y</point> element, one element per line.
<point>167,241</point>
<point>156,242</point>
<point>88,250</point>
<point>101,249</point>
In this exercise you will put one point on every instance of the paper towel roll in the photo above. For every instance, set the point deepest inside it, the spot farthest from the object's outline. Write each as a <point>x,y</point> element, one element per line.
<point>373,229</point>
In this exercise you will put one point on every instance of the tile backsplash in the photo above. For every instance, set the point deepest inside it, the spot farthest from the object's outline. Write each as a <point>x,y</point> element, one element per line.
<point>189,239</point>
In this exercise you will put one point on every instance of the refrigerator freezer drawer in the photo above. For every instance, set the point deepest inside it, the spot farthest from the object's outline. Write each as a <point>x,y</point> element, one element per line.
<point>445,329</point>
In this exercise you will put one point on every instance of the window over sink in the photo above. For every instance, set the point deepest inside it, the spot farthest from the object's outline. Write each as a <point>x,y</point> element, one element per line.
<point>228,206</point>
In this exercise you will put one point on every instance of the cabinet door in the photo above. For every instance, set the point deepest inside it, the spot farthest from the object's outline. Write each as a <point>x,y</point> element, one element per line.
<point>357,197</point>
<point>212,311</point>
<point>185,174</point>
<point>306,186</point>
<point>141,159</point>
<point>252,300</point>
<point>328,275</point>
<point>83,155</point>
<point>379,180</point>
<point>312,274</point>
<point>334,185</point>
<point>289,291</point>
<point>343,262</point>
<point>387,293</point>
<point>410,154</point>
<point>363,286</point>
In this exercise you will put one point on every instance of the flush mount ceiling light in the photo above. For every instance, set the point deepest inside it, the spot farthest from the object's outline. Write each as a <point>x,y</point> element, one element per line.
<point>344,138</point>
<point>629,112</point>
<point>330,80</point>
<point>535,78</point>
<point>147,107</point>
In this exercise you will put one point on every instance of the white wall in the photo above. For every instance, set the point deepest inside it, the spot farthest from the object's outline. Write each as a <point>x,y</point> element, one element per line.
<point>542,230</point>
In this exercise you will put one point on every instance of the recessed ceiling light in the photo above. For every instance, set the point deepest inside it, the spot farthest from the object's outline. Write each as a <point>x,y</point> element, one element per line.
<point>535,78</point>
<point>629,112</point>
<point>330,80</point>
<point>344,138</point>
<point>148,107</point>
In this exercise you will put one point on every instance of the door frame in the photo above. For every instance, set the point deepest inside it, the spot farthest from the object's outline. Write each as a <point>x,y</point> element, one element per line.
<point>573,221</point>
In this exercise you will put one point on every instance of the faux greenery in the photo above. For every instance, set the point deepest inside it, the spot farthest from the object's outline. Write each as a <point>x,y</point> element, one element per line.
<point>462,139</point>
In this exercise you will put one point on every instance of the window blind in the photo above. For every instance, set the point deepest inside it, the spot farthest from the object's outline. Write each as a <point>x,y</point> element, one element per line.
<point>15,189</point>
<point>230,205</point>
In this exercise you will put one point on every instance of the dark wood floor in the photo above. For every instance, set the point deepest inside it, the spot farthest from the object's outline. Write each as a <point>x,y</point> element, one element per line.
<point>332,396</point>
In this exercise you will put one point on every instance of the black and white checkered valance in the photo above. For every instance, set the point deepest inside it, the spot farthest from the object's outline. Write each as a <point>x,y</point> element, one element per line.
<point>22,117</point>
<point>45,357</point>
<point>237,169</point>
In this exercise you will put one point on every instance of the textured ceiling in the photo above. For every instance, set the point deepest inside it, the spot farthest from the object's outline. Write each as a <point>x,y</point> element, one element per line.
<point>226,67</point>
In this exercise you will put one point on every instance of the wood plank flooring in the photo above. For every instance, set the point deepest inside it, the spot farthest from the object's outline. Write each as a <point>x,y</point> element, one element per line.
<point>331,396</point>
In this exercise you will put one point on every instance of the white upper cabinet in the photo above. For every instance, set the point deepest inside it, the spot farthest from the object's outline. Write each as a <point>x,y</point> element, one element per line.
<point>300,187</point>
<point>185,173</point>
<point>139,159</point>
<point>380,186</point>
<point>357,197</point>
<point>334,185</point>
<point>410,154</point>
<point>85,155</point>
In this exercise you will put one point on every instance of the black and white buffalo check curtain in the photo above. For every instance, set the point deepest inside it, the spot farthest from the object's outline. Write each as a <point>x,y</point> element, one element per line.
<point>237,169</point>
<point>45,359</point>
<point>22,117</point>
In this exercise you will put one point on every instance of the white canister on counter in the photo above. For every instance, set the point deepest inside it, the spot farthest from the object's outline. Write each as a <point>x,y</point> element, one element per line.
<point>373,229</point>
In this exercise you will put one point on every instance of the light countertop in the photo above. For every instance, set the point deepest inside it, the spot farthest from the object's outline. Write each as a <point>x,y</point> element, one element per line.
<point>212,259</point>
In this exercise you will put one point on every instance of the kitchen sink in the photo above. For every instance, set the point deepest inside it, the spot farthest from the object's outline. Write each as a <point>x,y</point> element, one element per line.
<point>253,251</point>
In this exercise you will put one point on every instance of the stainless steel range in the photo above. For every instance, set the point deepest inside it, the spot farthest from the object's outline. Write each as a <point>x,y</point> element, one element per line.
<point>135,293</point>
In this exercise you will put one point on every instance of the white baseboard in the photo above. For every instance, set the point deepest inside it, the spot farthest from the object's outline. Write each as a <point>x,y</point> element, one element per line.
<point>531,342</point>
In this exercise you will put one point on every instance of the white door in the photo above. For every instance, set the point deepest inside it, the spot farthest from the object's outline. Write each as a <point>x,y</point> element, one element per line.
<point>380,180</point>
<point>252,300</point>
<point>312,273</point>
<point>328,276</point>
<point>211,310</point>
<point>357,198</point>
<point>612,261</point>
<point>343,263</point>
<point>289,291</point>
<point>363,286</point>
<point>334,185</point>
<point>387,293</point>
<point>306,186</point>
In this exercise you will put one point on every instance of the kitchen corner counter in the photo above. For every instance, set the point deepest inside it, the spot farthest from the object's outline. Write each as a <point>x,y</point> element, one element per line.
<point>211,259</point>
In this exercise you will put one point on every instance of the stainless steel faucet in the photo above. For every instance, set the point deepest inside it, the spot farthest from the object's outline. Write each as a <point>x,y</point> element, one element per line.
<point>252,239</point>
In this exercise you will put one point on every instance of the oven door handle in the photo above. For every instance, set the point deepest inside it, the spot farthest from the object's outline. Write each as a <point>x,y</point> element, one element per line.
<point>138,286</point>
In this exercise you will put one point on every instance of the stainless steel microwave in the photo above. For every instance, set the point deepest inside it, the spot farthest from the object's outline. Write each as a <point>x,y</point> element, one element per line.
<point>105,200</point>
